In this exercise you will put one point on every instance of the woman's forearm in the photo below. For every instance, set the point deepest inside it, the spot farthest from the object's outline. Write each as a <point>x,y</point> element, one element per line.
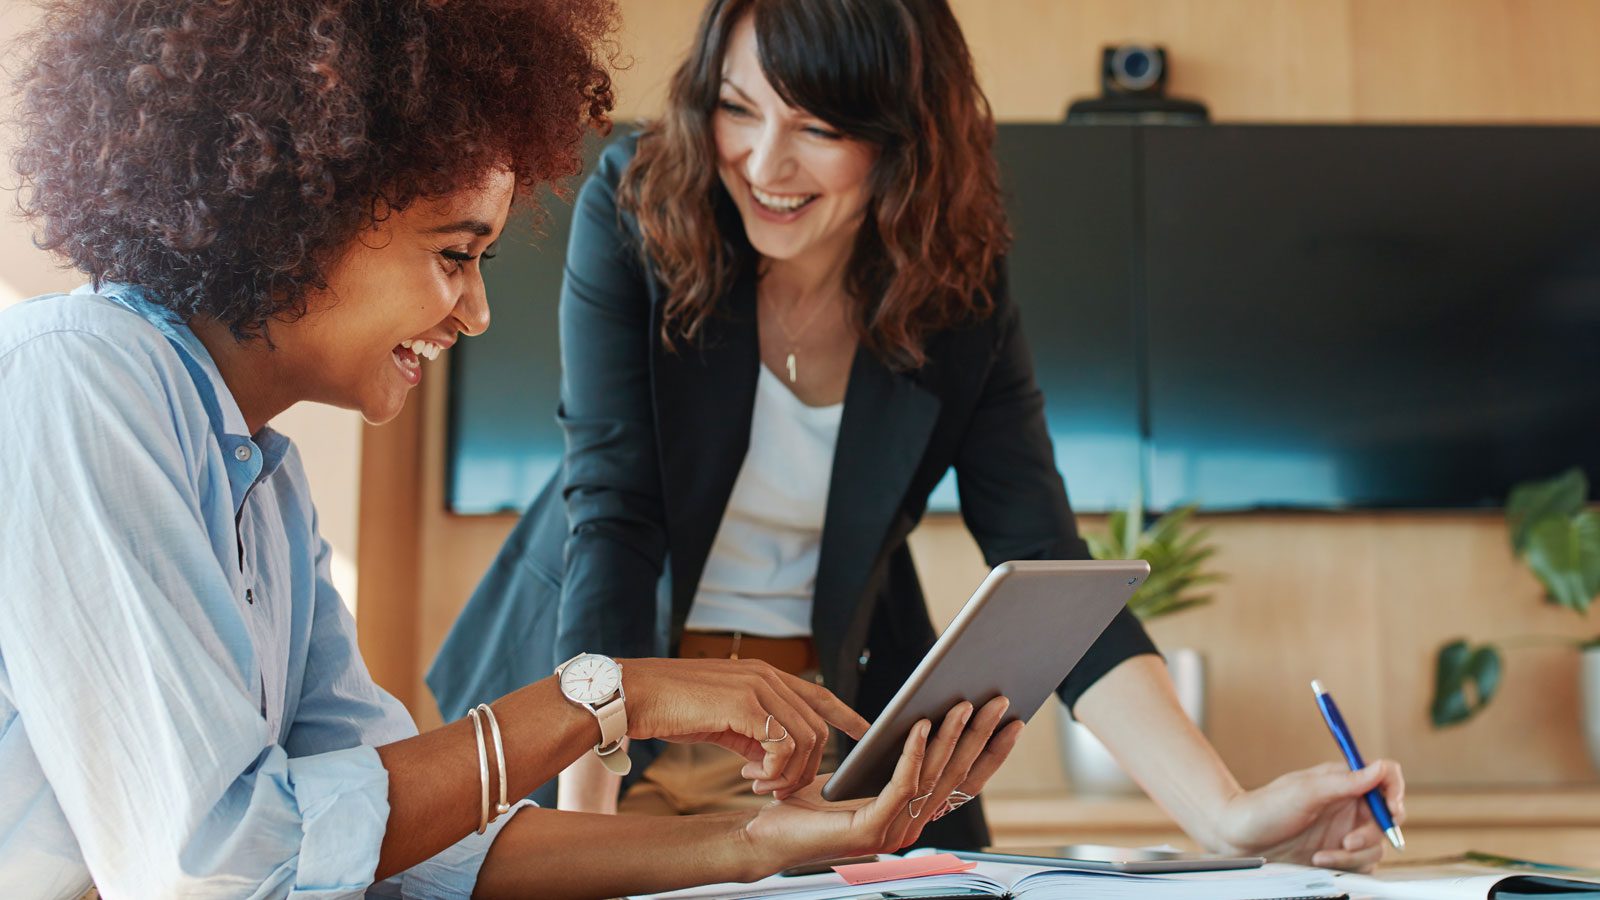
<point>1135,712</point>
<point>434,779</point>
<point>555,854</point>
<point>588,786</point>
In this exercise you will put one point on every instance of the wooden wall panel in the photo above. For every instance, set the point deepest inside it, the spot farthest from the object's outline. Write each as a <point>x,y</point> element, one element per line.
<point>389,604</point>
<point>655,36</point>
<point>1257,60</point>
<point>1448,577</point>
<point>1479,61</point>
<point>1359,600</point>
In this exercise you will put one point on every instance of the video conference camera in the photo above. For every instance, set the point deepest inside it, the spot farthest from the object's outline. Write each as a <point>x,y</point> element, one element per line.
<point>1133,91</point>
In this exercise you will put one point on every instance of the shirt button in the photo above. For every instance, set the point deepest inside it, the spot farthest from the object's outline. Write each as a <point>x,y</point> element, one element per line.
<point>242,453</point>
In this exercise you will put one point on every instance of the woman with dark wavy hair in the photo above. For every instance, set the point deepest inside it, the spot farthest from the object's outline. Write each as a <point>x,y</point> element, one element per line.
<point>784,319</point>
<point>290,201</point>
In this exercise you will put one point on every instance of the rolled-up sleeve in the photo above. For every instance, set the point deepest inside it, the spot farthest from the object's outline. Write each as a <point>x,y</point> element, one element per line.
<point>340,705</point>
<point>452,874</point>
<point>126,657</point>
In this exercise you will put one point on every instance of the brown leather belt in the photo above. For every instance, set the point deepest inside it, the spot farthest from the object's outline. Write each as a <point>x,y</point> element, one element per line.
<point>797,656</point>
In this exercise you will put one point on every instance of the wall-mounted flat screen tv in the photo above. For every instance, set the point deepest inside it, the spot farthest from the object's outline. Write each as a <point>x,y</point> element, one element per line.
<point>1369,316</point>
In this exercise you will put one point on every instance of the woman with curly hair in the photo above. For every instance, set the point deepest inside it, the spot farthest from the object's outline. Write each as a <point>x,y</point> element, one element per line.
<point>281,202</point>
<point>785,318</point>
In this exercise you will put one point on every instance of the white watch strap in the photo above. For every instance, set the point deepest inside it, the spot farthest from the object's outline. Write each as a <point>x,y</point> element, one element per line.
<point>613,718</point>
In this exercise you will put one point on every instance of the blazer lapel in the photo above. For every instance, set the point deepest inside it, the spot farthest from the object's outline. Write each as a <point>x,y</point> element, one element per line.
<point>705,395</point>
<point>882,436</point>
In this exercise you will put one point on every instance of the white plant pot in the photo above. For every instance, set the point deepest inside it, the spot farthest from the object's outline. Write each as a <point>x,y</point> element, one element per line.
<point>1090,768</point>
<point>1589,696</point>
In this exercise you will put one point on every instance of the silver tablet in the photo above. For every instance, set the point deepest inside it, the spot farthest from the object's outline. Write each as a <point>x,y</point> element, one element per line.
<point>1099,858</point>
<point>1019,635</point>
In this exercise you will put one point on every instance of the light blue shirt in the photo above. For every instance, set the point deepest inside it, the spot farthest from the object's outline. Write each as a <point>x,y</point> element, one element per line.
<point>183,710</point>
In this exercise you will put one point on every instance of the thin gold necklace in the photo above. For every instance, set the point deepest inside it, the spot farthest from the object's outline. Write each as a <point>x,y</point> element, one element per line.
<point>792,338</point>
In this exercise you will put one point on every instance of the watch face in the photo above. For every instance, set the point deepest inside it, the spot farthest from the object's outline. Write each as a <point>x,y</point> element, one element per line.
<point>590,679</point>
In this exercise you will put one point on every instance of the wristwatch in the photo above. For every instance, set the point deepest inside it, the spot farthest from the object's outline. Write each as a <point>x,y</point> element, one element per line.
<point>594,682</point>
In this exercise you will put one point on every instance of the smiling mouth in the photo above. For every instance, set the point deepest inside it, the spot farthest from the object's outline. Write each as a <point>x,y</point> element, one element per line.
<point>425,349</point>
<point>409,354</point>
<point>781,203</point>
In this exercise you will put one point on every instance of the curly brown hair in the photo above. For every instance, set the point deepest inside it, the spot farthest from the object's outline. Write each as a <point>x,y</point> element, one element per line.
<point>221,153</point>
<point>895,73</point>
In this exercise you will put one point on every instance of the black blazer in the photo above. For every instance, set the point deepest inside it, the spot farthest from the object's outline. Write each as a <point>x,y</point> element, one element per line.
<point>609,556</point>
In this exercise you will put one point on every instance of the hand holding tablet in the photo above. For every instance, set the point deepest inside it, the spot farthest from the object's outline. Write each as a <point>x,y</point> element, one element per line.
<point>1018,637</point>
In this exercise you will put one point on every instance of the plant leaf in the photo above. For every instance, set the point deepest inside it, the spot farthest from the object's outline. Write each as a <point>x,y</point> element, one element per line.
<point>1175,553</point>
<point>1449,705</point>
<point>1533,502</point>
<point>1457,667</point>
<point>1168,526</point>
<point>1099,547</point>
<point>1115,526</point>
<point>1587,524</point>
<point>1169,605</point>
<point>1564,553</point>
<point>1192,542</point>
<point>1485,670</point>
<point>1133,524</point>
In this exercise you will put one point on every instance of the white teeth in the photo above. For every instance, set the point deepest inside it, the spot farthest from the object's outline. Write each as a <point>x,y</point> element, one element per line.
<point>781,203</point>
<point>423,349</point>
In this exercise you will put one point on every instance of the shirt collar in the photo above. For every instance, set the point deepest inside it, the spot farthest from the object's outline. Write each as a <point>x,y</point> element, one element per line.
<point>250,458</point>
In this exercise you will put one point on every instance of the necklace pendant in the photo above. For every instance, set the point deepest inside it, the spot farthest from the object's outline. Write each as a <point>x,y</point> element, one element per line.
<point>790,364</point>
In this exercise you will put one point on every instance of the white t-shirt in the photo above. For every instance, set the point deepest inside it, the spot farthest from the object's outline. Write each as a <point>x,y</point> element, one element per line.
<point>762,570</point>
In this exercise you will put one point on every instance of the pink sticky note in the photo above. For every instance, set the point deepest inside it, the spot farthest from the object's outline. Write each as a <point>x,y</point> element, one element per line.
<point>914,867</point>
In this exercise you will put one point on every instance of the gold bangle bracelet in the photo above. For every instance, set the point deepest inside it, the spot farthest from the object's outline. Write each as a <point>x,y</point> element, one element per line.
<point>499,758</point>
<point>483,770</point>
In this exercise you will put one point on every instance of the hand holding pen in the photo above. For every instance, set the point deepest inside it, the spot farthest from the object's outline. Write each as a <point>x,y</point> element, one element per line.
<point>1319,816</point>
<point>1347,744</point>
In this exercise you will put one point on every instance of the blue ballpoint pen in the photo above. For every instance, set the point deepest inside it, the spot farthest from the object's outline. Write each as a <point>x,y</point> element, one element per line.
<point>1341,733</point>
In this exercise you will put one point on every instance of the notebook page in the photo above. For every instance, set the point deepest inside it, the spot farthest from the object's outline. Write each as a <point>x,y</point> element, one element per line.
<point>1269,882</point>
<point>1041,883</point>
<point>1455,881</point>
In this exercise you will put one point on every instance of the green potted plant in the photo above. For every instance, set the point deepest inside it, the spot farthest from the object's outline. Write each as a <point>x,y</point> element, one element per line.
<point>1177,552</point>
<point>1557,535</point>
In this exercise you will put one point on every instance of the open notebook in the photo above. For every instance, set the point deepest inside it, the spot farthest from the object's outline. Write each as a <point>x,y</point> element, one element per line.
<point>1472,881</point>
<point>1452,881</point>
<point>991,879</point>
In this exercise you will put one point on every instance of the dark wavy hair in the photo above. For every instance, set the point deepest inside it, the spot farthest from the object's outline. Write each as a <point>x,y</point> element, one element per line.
<point>222,153</point>
<point>895,73</point>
